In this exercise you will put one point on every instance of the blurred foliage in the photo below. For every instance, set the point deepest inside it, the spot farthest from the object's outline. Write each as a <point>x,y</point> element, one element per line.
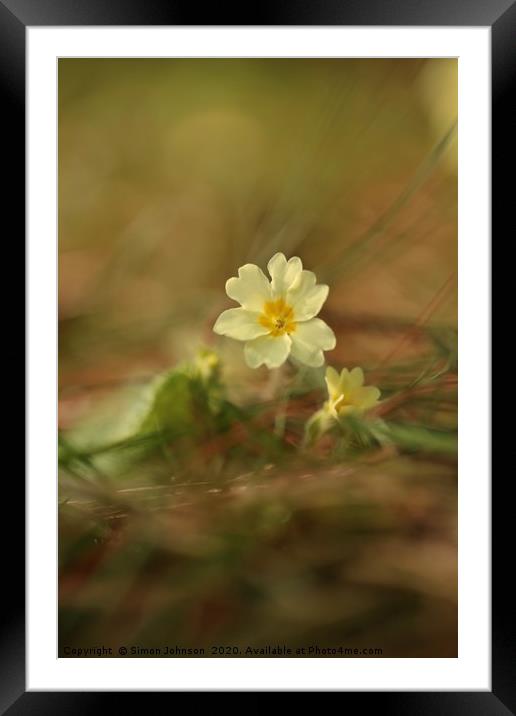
<point>190,511</point>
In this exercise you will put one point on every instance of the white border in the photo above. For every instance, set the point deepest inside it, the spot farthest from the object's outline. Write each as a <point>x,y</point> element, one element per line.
<point>471,670</point>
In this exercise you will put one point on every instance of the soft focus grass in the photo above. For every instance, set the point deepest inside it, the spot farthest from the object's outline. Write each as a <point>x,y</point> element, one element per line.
<point>189,514</point>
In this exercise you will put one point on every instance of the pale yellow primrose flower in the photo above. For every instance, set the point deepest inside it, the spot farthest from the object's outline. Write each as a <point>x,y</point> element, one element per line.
<point>277,318</point>
<point>347,392</point>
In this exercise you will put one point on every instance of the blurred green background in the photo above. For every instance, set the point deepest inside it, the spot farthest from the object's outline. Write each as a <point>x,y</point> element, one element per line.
<point>172,174</point>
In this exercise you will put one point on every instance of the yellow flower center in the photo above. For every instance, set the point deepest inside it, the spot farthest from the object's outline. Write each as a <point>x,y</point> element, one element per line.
<point>340,402</point>
<point>277,317</point>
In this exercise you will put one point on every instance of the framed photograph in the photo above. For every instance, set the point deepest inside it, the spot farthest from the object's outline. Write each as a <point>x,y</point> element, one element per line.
<point>258,371</point>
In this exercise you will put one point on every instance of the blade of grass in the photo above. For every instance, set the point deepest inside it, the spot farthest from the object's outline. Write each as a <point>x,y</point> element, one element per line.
<point>351,254</point>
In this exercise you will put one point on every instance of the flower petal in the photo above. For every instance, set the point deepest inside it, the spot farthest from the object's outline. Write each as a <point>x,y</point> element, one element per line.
<point>306,296</point>
<point>240,324</point>
<point>283,273</point>
<point>366,397</point>
<point>271,351</point>
<point>309,340</point>
<point>332,379</point>
<point>357,377</point>
<point>312,358</point>
<point>251,289</point>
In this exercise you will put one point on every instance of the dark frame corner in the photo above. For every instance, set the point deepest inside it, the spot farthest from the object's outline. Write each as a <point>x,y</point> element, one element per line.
<point>500,15</point>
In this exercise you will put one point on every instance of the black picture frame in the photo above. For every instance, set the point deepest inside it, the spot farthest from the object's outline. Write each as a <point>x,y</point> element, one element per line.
<point>500,16</point>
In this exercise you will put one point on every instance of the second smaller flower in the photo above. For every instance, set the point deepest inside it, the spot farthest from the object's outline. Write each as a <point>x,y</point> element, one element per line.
<point>347,392</point>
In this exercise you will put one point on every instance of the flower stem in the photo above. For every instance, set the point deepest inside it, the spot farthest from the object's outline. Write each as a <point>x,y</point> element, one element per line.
<point>275,381</point>
<point>281,415</point>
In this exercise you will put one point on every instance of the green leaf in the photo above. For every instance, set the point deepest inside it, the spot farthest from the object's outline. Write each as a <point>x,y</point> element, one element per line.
<point>180,404</point>
<point>416,438</point>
